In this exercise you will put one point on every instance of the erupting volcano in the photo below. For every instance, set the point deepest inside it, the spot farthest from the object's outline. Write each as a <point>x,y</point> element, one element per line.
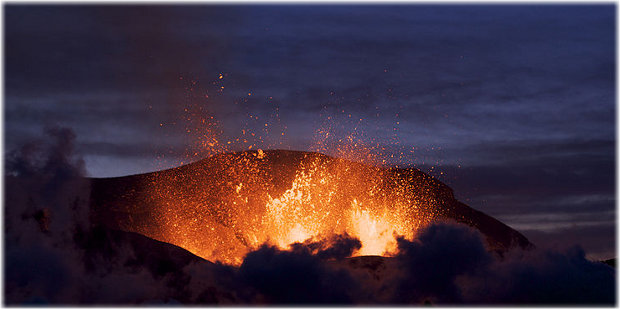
<point>307,154</point>
<point>227,205</point>
<point>230,203</point>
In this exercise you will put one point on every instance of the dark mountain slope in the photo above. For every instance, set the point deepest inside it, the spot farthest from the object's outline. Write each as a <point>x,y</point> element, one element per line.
<point>195,205</point>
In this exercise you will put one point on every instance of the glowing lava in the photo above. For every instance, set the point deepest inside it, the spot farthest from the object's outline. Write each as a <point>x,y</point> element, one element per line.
<point>222,207</point>
<point>323,201</point>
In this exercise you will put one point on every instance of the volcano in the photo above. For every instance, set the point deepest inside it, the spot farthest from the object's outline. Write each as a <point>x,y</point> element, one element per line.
<point>224,206</point>
<point>271,228</point>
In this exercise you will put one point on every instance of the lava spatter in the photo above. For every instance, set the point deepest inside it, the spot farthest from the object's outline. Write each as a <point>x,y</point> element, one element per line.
<point>223,207</point>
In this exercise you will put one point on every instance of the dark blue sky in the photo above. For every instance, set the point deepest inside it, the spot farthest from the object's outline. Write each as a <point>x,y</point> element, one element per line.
<point>515,104</point>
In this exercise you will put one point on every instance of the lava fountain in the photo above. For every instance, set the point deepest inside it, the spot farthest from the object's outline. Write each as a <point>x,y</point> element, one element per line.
<point>224,206</point>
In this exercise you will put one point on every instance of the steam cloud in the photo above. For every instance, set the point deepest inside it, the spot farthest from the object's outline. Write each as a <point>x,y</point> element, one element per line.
<point>301,274</point>
<point>53,255</point>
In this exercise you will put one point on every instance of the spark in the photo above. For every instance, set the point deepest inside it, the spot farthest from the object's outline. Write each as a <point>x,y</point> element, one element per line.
<point>223,207</point>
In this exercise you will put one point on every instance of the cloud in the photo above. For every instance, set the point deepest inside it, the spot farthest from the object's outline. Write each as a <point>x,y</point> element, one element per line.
<point>298,276</point>
<point>594,239</point>
<point>37,273</point>
<point>428,266</point>
<point>45,202</point>
<point>46,185</point>
<point>51,157</point>
<point>53,254</point>
<point>447,263</point>
<point>542,277</point>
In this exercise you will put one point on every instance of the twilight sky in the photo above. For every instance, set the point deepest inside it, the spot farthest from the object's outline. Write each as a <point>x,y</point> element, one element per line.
<point>513,106</point>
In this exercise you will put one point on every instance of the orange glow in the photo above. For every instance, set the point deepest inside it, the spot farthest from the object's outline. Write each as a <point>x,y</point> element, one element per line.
<point>223,207</point>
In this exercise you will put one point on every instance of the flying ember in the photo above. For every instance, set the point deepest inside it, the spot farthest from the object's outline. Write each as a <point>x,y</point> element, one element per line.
<point>229,204</point>
<point>222,207</point>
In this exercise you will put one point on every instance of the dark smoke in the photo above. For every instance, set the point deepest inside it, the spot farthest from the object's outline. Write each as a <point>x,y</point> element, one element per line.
<point>46,183</point>
<point>448,264</point>
<point>428,267</point>
<point>45,205</point>
<point>542,277</point>
<point>48,238</point>
<point>301,275</point>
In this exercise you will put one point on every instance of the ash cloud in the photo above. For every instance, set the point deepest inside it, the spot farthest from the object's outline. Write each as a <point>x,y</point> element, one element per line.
<point>301,275</point>
<point>544,277</point>
<point>428,267</point>
<point>446,264</point>
<point>52,253</point>
<point>46,184</point>
<point>44,208</point>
